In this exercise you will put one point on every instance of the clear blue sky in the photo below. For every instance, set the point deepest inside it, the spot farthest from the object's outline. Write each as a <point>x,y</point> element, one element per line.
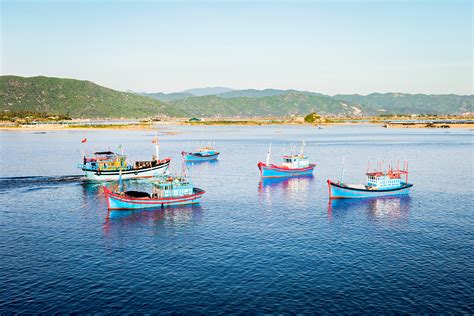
<point>323,46</point>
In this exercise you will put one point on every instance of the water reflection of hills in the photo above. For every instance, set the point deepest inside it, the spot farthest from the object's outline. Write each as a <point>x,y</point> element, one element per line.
<point>381,208</point>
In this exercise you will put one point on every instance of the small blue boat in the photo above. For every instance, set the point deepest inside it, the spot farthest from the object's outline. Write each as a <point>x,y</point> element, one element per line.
<point>166,191</point>
<point>201,154</point>
<point>293,165</point>
<point>378,184</point>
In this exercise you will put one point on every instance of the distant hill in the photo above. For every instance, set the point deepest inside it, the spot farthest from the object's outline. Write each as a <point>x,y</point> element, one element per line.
<point>291,102</point>
<point>165,97</point>
<point>253,93</point>
<point>207,91</point>
<point>402,103</point>
<point>278,105</point>
<point>76,98</point>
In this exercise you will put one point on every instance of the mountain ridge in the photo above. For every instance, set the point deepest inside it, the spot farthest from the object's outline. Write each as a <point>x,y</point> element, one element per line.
<point>77,98</point>
<point>82,98</point>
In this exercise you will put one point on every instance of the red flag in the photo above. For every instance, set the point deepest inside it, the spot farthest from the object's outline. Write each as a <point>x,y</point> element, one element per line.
<point>84,140</point>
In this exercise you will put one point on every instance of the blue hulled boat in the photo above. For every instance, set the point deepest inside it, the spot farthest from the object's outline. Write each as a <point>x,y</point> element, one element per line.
<point>201,154</point>
<point>293,165</point>
<point>378,184</point>
<point>167,191</point>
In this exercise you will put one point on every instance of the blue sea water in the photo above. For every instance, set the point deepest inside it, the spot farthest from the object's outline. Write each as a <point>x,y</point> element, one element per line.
<point>256,246</point>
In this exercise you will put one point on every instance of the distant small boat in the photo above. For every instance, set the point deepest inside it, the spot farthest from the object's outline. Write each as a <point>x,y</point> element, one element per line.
<point>201,154</point>
<point>107,166</point>
<point>378,184</point>
<point>167,191</point>
<point>293,165</point>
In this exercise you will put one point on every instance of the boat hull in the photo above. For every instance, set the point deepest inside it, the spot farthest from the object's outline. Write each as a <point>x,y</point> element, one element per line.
<point>106,175</point>
<point>337,191</point>
<point>123,202</point>
<point>193,157</point>
<point>272,171</point>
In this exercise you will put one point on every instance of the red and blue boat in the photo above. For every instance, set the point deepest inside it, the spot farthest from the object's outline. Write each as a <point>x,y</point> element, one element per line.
<point>167,191</point>
<point>293,165</point>
<point>201,154</point>
<point>378,184</point>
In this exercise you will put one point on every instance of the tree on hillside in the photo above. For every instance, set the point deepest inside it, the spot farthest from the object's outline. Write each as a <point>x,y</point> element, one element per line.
<point>312,117</point>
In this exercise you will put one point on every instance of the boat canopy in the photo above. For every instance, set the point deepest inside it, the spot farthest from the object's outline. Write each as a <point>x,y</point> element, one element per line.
<point>104,153</point>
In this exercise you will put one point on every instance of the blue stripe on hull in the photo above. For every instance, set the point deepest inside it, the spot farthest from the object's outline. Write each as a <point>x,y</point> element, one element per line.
<point>196,158</point>
<point>276,173</point>
<point>346,193</point>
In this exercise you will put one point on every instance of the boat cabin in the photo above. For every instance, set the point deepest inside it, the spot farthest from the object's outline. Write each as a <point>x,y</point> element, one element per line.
<point>172,187</point>
<point>106,160</point>
<point>295,161</point>
<point>206,150</point>
<point>380,180</point>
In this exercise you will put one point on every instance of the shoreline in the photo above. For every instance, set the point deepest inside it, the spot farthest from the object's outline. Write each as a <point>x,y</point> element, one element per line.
<point>154,126</point>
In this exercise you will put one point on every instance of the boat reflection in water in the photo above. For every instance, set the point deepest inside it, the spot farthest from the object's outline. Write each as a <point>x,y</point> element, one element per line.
<point>390,208</point>
<point>160,218</point>
<point>201,162</point>
<point>296,189</point>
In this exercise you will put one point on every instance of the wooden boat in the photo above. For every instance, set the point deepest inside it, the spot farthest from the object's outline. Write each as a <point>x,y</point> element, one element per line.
<point>201,154</point>
<point>379,183</point>
<point>293,165</point>
<point>167,191</point>
<point>107,166</point>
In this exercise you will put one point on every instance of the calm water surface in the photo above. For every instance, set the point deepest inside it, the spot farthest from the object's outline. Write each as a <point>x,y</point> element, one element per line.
<point>251,245</point>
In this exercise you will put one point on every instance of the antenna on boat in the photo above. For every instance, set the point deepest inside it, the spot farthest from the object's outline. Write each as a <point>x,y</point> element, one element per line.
<point>269,153</point>
<point>302,148</point>
<point>120,180</point>
<point>183,166</point>
<point>157,146</point>
<point>342,171</point>
<point>368,166</point>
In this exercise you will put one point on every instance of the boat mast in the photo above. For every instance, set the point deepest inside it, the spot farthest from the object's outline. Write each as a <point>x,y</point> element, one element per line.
<point>120,180</point>
<point>269,153</point>
<point>157,147</point>
<point>302,148</point>
<point>342,171</point>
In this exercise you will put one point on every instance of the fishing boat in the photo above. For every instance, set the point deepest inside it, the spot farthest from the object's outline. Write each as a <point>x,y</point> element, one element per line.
<point>107,166</point>
<point>201,154</point>
<point>379,183</point>
<point>167,190</point>
<point>293,165</point>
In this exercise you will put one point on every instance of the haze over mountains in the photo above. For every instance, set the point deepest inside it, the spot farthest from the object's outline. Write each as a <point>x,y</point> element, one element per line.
<point>85,99</point>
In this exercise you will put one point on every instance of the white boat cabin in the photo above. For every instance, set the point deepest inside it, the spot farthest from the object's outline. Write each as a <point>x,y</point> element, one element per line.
<point>295,161</point>
<point>380,180</point>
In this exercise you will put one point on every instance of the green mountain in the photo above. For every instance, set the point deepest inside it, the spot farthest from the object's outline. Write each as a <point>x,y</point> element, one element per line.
<point>401,103</point>
<point>280,105</point>
<point>76,98</point>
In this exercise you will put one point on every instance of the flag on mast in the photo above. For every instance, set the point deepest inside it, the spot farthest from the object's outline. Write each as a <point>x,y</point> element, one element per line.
<point>84,140</point>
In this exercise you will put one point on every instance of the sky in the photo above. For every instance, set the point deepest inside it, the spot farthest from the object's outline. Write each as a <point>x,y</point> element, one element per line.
<point>329,47</point>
